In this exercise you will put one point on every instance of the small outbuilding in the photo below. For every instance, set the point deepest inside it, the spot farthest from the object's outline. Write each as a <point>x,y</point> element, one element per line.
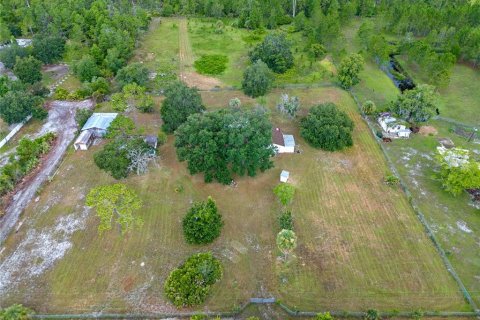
<point>284,176</point>
<point>84,140</point>
<point>151,140</point>
<point>283,143</point>
<point>95,127</point>
<point>98,123</point>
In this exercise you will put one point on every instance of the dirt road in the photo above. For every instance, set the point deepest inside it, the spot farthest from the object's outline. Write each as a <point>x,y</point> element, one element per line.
<point>61,119</point>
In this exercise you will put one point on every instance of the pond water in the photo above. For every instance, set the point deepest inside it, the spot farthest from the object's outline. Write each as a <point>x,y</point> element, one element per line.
<point>397,74</point>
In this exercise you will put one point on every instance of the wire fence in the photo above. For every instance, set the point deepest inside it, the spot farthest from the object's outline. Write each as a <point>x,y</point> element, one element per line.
<point>420,215</point>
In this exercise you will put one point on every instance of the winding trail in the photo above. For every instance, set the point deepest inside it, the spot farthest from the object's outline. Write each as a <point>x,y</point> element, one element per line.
<point>61,120</point>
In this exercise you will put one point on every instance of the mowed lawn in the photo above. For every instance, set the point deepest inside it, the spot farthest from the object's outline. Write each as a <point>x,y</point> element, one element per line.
<point>460,99</point>
<point>455,222</point>
<point>360,244</point>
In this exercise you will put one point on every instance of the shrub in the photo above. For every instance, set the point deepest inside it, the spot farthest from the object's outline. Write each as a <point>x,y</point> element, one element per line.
<point>121,126</point>
<point>161,138</point>
<point>86,69</point>
<point>327,127</point>
<point>275,52</point>
<point>190,284</point>
<point>286,220</point>
<point>211,64</point>
<point>82,115</point>
<point>289,105</point>
<point>286,241</point>
<point>392,180</point>
<point>15,312</point>
<point>324,316</point>
<point>203,223</point>
<point>60,94</point>
<point>369,107</point>
<point>284,193</point>
<point>257,79</point>
<point>119,102</point>
<point>235,103</point>
<point>317,50</point>
<point>199,317</point>
<point>371,314</point>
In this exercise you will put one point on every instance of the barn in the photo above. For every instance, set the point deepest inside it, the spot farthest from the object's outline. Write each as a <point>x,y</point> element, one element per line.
<point>283,143</point>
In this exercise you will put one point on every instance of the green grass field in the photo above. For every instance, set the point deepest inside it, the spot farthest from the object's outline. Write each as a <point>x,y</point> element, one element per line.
<point>375,85</point>
<point>359,242</point>
<point>459,100</point>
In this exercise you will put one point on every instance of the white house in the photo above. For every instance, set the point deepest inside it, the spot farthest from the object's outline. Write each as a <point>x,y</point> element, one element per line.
<point>95,127</point>
<point>284,175</point>
<point>283,143</point>
<point>392,126</point>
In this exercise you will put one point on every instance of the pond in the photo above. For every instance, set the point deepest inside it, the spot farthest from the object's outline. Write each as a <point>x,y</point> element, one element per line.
<point>398,75</point>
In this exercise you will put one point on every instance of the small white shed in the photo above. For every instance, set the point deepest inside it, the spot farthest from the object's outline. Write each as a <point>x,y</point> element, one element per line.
<point>284,176</point>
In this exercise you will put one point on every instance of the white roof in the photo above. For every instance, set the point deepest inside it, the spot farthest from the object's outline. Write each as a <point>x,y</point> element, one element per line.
<point>285,174</point>
<point>99,121</point>
<point>288,140</point>
<point>388,119</point>
<point>84,137</point>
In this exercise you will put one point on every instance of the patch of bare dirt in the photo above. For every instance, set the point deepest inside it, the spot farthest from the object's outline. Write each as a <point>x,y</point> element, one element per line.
<point>57,71</point>
<point>61,120</point>
<point>428,130</point>
<point>193,79</point>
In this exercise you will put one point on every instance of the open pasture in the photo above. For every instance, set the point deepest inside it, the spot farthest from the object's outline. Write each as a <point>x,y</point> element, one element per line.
<point>359,241</point>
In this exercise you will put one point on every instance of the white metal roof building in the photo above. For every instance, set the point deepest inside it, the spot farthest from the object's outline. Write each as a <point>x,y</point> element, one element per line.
<point>99,123</point>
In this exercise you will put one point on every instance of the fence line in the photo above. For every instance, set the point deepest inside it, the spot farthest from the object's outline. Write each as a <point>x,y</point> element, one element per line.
<point>14,131</point>
<point>419,214</point>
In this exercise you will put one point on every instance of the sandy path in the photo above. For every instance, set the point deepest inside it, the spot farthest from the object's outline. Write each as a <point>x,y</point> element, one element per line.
<point>61,119</point>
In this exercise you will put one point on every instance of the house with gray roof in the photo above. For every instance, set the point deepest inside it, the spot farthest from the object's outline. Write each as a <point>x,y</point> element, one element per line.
<point>95,127</point>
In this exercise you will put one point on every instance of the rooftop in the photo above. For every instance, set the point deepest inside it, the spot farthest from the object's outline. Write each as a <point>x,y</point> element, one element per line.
<point>99,121</point>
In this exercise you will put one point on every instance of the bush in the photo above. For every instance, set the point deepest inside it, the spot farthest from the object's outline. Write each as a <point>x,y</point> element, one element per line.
<point>211,64</point>
<point>289,105</point>
<point>82,115</point>
<point>371,314</point>
<point>203,223</point>
<point>286,220</point>
<point>324,316</point>
<point>275,52</point>
<point>190,284</point>
<point>317,50</point>
<point>369,107</point>
<point>284,193</point>
<point>327,127</point>
<point>392,180</point>
<point>15,312</point>
<point>161,138</point>
<point>257,79</point>
<point>60,94</point>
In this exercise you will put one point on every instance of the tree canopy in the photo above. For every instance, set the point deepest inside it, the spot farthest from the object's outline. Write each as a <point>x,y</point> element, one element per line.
<point>349,70</point>
<point>180,102</point>
<point>327,127</point>
<point>15,106</point>
<point>416,105</point>
<point>203,222</point>
<point>28,70</point>
<point>275,52</point>
<point>190,284</point>
<point>222,143</point>
<point>257,79</point>
<point>115,204</point>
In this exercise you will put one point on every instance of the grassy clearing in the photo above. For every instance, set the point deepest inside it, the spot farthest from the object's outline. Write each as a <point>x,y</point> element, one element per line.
<point>459,100</point>
<point>230,43</point>
<point>159,50</point>
<point>375,85</point>
<point>360,244</point>
<point>456,223</point>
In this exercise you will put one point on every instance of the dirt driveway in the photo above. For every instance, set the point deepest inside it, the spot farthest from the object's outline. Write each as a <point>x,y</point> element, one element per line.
<point>61,119</point>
